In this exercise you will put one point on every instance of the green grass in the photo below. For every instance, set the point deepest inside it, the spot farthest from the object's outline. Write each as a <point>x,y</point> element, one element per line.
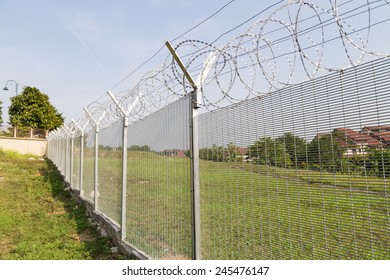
<point>249,211</point>
<point>159,217</point>
<point>158,200</point>
<point>39,219</point>
<point>269,217</point>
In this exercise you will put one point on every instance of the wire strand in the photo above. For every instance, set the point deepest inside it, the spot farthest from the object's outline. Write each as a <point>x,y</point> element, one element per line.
<point>163,46</point>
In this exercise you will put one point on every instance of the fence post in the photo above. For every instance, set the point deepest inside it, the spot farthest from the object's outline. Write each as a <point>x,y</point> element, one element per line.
<point>81,173</point>
<point>64,151</point>
<point>194,101</point>
<point>69,154</point>
<point>81,163</point>
<point>96,169</point>
<point>54,149</point>
<point>124,178</point>
<point>194,155</point>
<point>125,114</point>
<point>195,186</point>
<point>58,148</point>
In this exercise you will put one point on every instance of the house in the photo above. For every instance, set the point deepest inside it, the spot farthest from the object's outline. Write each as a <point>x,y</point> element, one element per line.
<point>380,132</point>
<point>243,154</point>
<point>174,152</point>
<point>242,150</point>
<point>355,143</point>
<point>377,129</point>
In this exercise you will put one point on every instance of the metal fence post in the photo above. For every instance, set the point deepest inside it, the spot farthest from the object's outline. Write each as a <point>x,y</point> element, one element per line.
<point>96,165</point>
<point>96,168</point>
<point>125,114</point>
<point>81,172</point>
<point>194,155</point>
<point>64,151</point>
<point>71,159</point>
<point>81,164</point>
<point>195,187</point>
<point>194,101</point>
<point>69,154</point>
<point>124,177</point>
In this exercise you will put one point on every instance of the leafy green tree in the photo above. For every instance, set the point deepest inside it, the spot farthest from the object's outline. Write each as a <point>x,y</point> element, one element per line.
<point>378,162</point>
<point>295,146</point>
<point>205,153</point>
<point>32,108</point>
<point>217,153</point>
<point>144,148</point>
<point>325,153</point>
<point>231,152</point>
<point>270,152</point>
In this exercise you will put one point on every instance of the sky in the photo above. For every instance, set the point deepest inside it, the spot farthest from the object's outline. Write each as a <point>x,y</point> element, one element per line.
<point>74,51</point>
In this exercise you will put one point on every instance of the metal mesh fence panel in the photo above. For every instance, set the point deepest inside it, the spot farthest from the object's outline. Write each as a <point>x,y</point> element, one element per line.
<point>110,171</point>
<point>301,173</point>
<point>158,181</point>
<point>88,166</point>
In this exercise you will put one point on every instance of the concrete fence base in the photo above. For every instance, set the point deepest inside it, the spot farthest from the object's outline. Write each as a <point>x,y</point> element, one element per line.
<point>111,229</point>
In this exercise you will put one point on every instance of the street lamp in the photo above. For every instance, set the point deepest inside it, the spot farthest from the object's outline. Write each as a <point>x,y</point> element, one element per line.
<point>16,86</point>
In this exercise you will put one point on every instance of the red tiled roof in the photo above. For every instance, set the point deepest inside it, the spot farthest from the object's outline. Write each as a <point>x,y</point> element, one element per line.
<point>382,136</point>
<point>349,136</point>
<point>378,127</point>
<point>242,150</point>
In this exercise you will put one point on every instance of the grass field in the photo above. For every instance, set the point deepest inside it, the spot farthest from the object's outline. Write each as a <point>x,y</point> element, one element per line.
<point>264,214</point>
<point>39,219</point>
<point>248,211</point>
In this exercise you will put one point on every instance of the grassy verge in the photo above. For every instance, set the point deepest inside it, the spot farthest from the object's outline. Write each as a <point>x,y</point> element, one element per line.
<point>39,219</point>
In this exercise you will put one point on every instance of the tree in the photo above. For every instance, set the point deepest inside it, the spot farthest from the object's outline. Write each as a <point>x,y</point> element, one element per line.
<point>144,148</point>
<point>32,108</point>
<point>270,152</point>
<point>231,152</point>
<point>295,147</point>
<point>325,152</point>
<point>378,162</point>
<point>217,153</point>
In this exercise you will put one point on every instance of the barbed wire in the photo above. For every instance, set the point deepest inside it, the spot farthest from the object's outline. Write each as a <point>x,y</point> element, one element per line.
<point>294,43</point>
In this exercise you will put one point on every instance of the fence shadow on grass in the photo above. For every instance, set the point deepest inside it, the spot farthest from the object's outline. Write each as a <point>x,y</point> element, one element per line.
<point>97,246</point>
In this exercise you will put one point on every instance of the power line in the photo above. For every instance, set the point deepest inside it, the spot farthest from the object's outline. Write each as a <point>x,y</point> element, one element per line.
<point>203,21</point>
<point>197,25</point>
<point>163,46</point>
<point>246,21</point>
<point>140,66</point>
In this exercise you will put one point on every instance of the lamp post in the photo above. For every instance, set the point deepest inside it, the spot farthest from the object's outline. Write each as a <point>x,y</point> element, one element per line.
<point>16,86</point>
